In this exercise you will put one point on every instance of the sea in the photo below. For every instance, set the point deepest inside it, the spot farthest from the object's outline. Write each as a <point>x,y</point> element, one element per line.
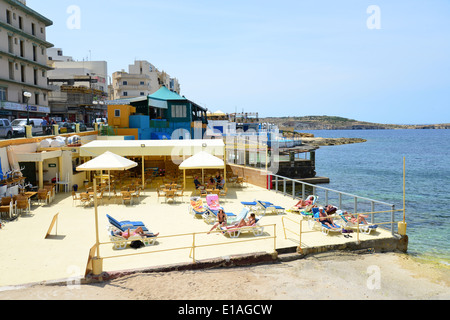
<point>374,169</point>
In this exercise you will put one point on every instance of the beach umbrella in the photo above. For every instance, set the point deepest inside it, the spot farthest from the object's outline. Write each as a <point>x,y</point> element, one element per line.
<point>107,161</point>
<point>202,160</point>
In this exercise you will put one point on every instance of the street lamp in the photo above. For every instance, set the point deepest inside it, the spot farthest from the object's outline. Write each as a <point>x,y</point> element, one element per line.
<point>27,96</point>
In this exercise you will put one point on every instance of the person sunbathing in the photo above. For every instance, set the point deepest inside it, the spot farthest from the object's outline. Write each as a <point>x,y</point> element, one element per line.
<point>221,220</point>
<point>326,220</point>
<point>330,209</point>
<point>136,232</point>
<point>304,203</point>
<point>251,222</point>
<point>352,219</point>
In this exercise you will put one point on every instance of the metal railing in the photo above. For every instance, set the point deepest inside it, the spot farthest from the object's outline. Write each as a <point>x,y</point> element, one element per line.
<point>300,231</point>
<point>195,245</point>
<point>298,190</point>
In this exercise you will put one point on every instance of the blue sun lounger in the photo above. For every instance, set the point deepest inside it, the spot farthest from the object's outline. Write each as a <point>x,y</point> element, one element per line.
<point>211,215</point>
<point>323,227</point>
<point>268,207</point>
<point>124,225</point>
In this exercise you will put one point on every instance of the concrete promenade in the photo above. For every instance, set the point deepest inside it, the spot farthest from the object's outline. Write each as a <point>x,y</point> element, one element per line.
<point>27,257</point>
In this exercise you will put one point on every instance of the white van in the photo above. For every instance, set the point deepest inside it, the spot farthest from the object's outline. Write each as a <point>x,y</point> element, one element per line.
<point>18,126</point>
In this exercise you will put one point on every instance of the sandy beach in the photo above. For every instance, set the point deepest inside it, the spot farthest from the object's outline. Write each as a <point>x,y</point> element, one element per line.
<point>386,276</point>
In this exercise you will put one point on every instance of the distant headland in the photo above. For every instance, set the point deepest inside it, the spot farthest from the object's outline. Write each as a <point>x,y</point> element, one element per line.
<point>339,123</point>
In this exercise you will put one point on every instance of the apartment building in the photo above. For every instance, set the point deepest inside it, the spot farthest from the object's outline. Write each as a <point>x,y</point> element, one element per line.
<point>79,88</point>
<point>142,79</point>
<point>23,60</point>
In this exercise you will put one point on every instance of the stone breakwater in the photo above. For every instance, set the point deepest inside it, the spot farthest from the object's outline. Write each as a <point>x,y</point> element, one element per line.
<point>318,142</point>
<point>310,140</point>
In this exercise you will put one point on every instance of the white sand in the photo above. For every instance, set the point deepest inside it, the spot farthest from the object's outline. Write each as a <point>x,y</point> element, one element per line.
<point>387,276</point>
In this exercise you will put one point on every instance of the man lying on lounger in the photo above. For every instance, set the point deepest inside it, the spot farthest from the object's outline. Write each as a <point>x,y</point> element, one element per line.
<point>324,219</point>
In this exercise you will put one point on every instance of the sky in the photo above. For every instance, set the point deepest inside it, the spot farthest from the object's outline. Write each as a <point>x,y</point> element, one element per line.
<point>383,61</point>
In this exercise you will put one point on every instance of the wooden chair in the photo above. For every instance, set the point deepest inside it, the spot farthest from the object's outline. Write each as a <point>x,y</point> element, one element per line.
<point>137,194</point>
<point>52,191</point>
<point>43,194</point>
<point>6,205</point>
<point>126,196</point>
<point>160,193</point>
<point>22,204</point>
<point>75,197</point>
<point>170,194</point>
<point>223,192</point>
<point>85,198</point>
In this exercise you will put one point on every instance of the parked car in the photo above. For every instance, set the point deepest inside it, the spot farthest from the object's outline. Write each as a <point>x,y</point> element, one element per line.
<point>18,126</point>
<point>99,121</point>
<point>6,130</point>
<point>65,127</point>
<point>68,127</point>
<point>82,127</point>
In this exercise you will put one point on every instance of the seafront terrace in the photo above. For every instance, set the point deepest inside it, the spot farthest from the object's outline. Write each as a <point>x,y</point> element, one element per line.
<point>27,257</point>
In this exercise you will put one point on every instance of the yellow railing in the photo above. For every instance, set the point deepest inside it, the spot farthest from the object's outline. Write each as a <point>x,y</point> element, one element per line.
<point>301,231</point>
<point>195,245</point>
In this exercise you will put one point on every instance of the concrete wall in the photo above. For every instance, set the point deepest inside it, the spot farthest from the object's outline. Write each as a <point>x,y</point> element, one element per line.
<point>254,176</point>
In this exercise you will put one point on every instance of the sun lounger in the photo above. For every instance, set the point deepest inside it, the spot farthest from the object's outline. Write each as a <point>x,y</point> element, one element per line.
<point>236,232</point>
<point>120,243</point>
<point>304,207</point>
<point>323,227</point>
<point>210,216</point>
<point>363,228</point>
<point>267,207</point>
<point>253,205</point>
<point>242,215</point>
<point>124,225</point>
<point>196,207</point>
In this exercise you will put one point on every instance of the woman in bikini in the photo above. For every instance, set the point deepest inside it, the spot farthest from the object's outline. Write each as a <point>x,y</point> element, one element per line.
<point>221,220</point>
<point>138,231</point>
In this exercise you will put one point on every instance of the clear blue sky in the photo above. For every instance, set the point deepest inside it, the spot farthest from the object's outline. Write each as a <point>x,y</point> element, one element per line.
<point>278,58</point>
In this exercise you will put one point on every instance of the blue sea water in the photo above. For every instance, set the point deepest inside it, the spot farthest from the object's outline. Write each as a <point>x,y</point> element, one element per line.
<point>374,169</point>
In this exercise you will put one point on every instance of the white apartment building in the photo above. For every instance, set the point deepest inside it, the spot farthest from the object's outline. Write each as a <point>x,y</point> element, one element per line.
<point>142,79</point>
<point>23,60</point>
<point>79,88</point>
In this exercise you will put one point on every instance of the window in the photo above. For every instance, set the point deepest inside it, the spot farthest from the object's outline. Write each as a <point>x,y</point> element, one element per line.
<point>8,16</point>
<point>22,73</point>
<point>3,94</point>
<point>117,113</point>
<point>178,111</point>
<point>36,98</point>
<point>125,94</point>
<point>34,54</point>
<point>35,74</point>
<point>33,29</point>
<point>125,83</point>
<point>22,48</point>
<point>20,23</point>
<point>10,45</point>
<point>11,70</point>
<point>142,93</point>
<point>142,83</point>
